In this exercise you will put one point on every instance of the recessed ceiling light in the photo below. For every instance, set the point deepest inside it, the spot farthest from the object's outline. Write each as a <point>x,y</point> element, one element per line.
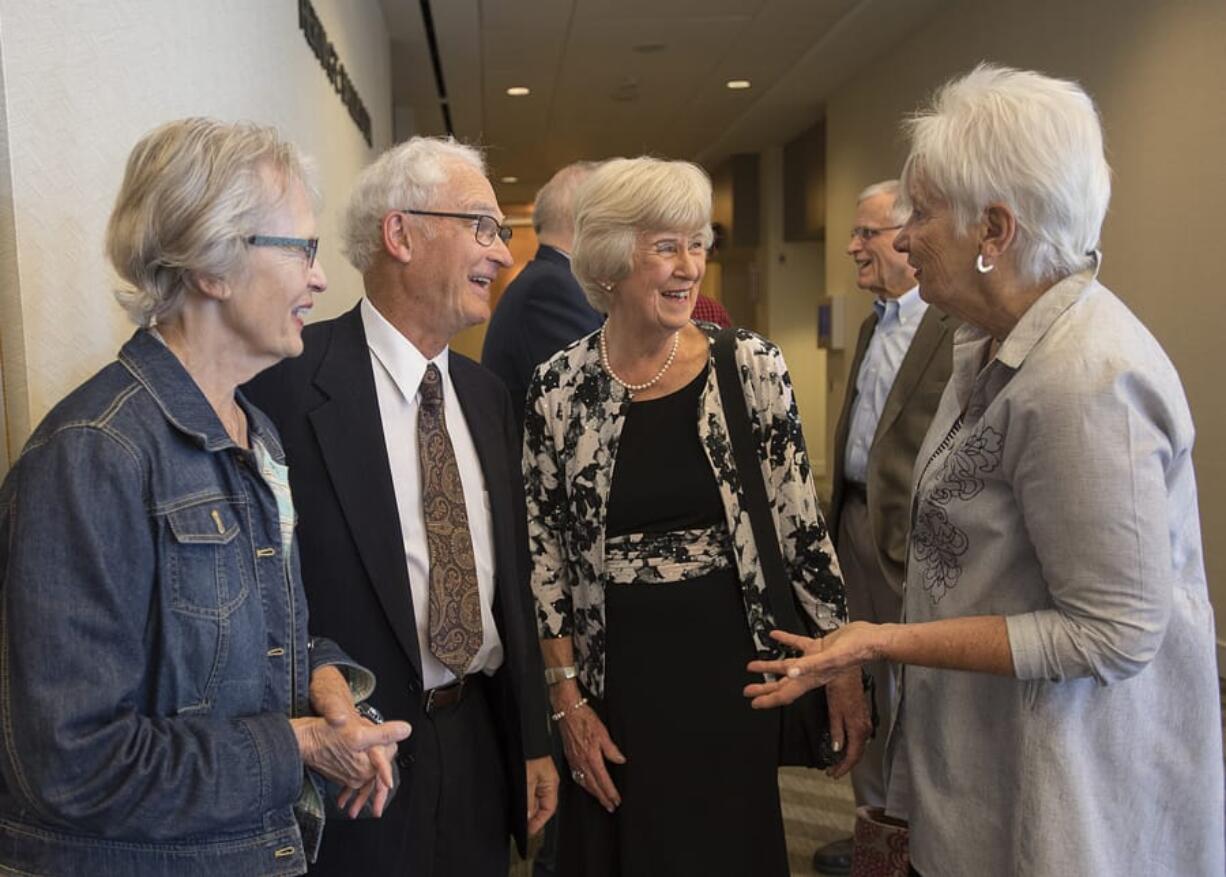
<point>518,90</point>
<point>510,179</point>
<point>737,84</point>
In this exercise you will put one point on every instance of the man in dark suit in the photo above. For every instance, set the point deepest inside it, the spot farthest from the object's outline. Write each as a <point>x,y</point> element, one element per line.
<point>543,309</point>
<point>902,361</point>
<point>404,465</point>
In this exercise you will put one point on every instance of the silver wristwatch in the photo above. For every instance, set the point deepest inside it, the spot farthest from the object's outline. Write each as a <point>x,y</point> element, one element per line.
<point>369,713</point>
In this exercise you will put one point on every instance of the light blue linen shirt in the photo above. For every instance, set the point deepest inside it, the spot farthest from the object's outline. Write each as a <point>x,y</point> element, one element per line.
<point>897,321</point>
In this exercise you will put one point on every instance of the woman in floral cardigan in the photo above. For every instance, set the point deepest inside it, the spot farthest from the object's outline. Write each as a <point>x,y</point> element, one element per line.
<point>643,551</point>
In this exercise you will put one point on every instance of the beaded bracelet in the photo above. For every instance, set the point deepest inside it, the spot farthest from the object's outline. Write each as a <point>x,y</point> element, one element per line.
<point>565,711</point>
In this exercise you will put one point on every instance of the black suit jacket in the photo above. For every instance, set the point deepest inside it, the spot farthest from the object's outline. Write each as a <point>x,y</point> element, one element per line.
<point>904,422</point>
<point>353,564</point>
<point>542,311</point>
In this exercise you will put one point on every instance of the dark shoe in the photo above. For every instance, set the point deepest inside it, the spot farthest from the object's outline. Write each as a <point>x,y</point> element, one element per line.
<point>834,858</point>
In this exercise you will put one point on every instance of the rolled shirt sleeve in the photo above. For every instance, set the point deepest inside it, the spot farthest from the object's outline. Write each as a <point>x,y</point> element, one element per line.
<point>1091,483</point>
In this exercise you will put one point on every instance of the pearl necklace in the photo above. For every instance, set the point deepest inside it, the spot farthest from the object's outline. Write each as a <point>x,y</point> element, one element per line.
<point>604,360</point>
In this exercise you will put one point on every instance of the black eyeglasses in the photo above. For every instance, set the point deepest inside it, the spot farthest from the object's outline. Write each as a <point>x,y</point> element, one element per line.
<point>308,246</point>
<point>487,229</point>
<point>867,233</point>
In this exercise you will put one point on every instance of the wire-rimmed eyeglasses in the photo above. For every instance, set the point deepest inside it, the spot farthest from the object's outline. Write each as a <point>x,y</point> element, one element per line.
<point>486,230</point>
<point>308,246</point>
<point>866,232</point>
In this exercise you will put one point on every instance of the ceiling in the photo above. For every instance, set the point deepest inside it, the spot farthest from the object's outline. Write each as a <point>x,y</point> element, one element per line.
<point>624,77</point>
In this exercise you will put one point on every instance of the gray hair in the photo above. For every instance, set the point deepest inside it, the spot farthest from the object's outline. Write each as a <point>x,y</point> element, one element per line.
<point>621,199</point>
<point>193,190</point>
<point>554,207</point>
<point>891,189</point>
<point>1025,140</point>
<point>406,176</point>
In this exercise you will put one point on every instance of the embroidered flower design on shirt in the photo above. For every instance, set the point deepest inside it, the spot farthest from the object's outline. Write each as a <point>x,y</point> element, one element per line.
<point>938,543</point>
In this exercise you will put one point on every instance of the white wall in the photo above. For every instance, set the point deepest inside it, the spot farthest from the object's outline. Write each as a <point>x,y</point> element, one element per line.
<point>83,81</point>
<point>1158,73</point>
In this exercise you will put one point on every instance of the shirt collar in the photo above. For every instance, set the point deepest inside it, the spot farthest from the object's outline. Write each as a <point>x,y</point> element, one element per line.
<point>183,403</point>
<point>403,362</point>
<point>905,308</point>
<point>1034,324</point>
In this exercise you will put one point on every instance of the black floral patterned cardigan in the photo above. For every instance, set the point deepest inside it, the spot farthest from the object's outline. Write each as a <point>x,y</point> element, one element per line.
<point>574,419</point>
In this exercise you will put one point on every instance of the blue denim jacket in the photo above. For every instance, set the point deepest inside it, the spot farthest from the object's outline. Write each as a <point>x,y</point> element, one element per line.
<point>153,639</point>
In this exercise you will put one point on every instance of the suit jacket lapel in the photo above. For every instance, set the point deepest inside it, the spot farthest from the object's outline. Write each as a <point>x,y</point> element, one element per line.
<point>349,429</point>
<point>928,335</point>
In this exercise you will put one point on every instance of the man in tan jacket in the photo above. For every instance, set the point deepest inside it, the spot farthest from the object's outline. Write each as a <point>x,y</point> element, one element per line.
<point>902,361</point>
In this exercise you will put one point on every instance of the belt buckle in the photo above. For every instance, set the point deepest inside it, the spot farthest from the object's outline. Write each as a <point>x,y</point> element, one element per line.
<point>458,685</point>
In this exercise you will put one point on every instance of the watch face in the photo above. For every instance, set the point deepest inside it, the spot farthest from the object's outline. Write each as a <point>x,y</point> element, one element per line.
<point>368,712</point>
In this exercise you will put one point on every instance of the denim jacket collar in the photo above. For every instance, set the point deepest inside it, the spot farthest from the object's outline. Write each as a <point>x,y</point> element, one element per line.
<point>156,367</point>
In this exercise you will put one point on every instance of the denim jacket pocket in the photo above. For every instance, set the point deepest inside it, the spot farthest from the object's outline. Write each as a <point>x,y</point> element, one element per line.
<point>206,571</point>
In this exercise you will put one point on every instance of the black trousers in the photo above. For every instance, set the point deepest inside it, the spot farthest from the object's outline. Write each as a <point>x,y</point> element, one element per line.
<point>450,817</point>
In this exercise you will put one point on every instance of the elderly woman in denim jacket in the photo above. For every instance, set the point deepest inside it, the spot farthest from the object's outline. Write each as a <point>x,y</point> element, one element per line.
<point>1055,544</point>
<point>159,691</point>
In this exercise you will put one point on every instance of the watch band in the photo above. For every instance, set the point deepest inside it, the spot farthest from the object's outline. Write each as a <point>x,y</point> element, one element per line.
<point>554,675</point>
<point>369,713</point>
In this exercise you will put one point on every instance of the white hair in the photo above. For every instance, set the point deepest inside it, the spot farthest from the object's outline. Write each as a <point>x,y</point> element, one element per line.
<point>407,176</point>
<point>891,189</point>
<point>193,190</point>
<point>626,196</point>
<point>1025,140</point>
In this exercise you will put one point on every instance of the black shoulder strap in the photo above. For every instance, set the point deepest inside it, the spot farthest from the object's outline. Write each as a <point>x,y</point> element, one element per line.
<point>779,594</point>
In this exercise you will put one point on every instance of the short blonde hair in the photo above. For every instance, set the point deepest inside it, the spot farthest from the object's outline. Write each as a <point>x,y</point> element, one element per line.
<point>623,198</point>
<point>407,176</point>
<point>193,190</point>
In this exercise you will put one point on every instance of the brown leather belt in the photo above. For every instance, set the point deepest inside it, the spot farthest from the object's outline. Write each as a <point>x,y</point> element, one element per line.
<point>444,696</point>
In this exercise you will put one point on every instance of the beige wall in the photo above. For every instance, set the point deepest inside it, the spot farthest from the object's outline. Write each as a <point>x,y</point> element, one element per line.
<point>1158,72</point>
<point>793,273</point>
<point>82,82</point>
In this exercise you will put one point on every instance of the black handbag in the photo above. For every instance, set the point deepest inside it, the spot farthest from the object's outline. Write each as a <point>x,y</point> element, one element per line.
<point>804,733</point>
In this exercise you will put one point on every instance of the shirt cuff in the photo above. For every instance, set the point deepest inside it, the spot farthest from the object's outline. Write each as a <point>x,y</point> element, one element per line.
<point>325,653</point>
<point>1026,645</point>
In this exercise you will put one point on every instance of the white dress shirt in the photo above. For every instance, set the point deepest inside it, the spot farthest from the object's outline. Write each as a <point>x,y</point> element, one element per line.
<point>398,368</point>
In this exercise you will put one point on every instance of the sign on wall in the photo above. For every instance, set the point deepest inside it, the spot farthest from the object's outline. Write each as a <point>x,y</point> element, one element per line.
<point>317,39</point>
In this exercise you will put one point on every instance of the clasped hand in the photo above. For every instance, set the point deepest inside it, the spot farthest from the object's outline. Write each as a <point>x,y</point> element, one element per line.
<point>345,748</point>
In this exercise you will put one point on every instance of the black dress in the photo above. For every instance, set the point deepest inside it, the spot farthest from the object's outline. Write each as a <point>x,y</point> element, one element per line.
<point>699,791</point>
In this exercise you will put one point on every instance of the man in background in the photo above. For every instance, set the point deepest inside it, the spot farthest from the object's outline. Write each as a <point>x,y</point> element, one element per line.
<point>902,361</point>
<point>543,309</point>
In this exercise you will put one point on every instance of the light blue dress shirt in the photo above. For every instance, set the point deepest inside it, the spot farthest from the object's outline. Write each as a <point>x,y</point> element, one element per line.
<point>897,320</point>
